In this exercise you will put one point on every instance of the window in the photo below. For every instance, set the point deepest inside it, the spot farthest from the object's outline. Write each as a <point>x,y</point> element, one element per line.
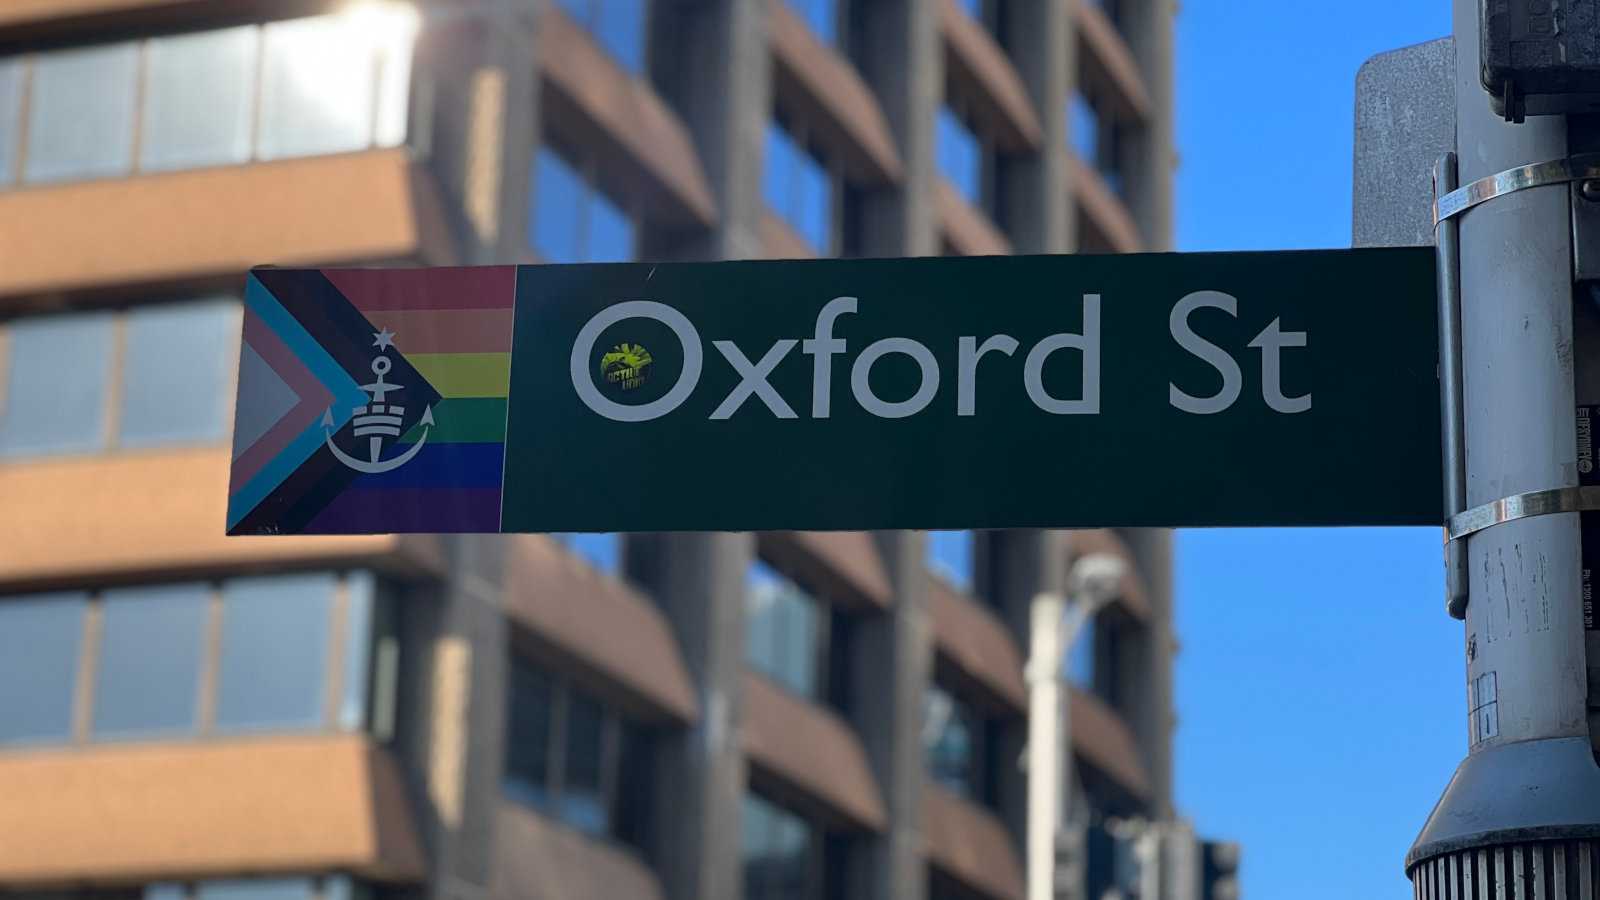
<point>617,25</point>
<point>371,659</point>
<point>255,889</point>
<point>40,639</point>
<point>1093,137</point>
<point>776,848</point>
<point>192,659</point>
<point>1080,657</point>
<point>80,114</point>
<point>798,189</point>
<point>177,361</point>
<point>1112,9</point>
<point>950,555</point>
<point>172,135</point>
<point>821,15</point>
<point>10,118</point>
<point>603,551</point>
<point>953,736</point>
<point>583,798</point>
<point>274,625</point>
<point>570,221</point>
<point>782,630</point>
<point>335,83</point>
<point>53,396</point>
<point>960,155</point>
<point>151,642</point>
<point>316,96</point>
<point>332,887</point>
<point>564,752</point>
<point>329,887</point>
<point>530,726</point>
<point>324,84</point>
<point>1083,128</point>
<point>1112,858</point>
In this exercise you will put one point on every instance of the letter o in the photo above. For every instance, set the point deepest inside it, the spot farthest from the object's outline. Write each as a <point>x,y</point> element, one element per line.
<point>883,409</point>
<point>688,379</point>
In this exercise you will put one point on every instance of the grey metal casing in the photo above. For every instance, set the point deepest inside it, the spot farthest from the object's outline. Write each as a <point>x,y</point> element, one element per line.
<point>1405,120</point>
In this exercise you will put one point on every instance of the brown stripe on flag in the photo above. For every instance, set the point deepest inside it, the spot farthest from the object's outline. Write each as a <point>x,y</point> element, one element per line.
<point>447,330</point>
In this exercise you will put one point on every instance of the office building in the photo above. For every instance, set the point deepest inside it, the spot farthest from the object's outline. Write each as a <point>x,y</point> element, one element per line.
<point>688,717</point>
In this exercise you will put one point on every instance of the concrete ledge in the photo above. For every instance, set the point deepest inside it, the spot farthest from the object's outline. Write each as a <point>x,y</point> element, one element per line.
<point>1108,63</point>
<point>973,642</point>
<point>216,223</point>
<point>27,24</point>
<point>965,227</point>
<point>126,814</point>
<point>970,845</point>
<point>642,149</point>
<point>1101,739</point>
<point>977,69</point>
<point>808,758</point>
<point>822,90</point>
<point>159,513</point>
<point>843,565</point>
<point>1101,206</point>
<point>537,857</point>
<point>780,241</point>
<point>616,638</point>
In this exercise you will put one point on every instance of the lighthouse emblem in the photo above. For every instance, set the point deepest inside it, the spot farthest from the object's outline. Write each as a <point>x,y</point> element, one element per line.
<point>379,419</point>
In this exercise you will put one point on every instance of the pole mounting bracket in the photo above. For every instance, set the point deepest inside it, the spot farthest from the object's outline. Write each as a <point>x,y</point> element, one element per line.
<point>1522,506</point>
<point>1582,167</point>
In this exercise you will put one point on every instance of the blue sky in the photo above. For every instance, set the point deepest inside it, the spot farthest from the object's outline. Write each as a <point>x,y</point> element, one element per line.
<point>1320,683</point>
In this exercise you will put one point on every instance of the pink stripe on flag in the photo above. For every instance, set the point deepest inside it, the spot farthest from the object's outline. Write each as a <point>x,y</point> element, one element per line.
<point>314,400</point>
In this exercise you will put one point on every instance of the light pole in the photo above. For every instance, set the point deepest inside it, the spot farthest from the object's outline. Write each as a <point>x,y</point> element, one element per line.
<point>1094,581</point>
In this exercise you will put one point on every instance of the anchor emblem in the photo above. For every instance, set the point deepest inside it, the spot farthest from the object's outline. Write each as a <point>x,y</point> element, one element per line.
<point>378,419</point>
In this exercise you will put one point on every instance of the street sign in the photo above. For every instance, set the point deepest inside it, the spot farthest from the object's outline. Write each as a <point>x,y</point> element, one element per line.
<point>1211,389</point>
<point>1405,120</point>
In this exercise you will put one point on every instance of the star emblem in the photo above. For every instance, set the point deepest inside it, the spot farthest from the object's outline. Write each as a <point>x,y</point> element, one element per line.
<point>383,340</point>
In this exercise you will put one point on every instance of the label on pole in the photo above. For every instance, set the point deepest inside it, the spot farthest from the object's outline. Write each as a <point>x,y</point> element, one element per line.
<point>1211,389</point>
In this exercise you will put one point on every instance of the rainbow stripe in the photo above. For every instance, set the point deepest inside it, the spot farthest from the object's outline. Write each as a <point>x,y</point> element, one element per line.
<point>451,327</point>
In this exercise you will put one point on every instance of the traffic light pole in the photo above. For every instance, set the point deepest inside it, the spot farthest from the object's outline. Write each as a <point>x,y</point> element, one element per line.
<point>1521,816</point>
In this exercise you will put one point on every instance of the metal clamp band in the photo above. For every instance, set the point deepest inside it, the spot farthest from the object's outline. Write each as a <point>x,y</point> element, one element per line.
<point>1523,506</point>
<point>1556,171</point>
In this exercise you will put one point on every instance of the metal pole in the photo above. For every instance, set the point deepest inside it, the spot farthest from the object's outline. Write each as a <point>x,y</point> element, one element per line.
<point>1046,733</point>
<point>1447,251</point>
<point>1526,800</point>
<point>1094,581</point>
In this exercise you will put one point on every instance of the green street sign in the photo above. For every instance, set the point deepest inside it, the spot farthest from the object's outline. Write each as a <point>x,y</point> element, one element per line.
<point>1208,389</point>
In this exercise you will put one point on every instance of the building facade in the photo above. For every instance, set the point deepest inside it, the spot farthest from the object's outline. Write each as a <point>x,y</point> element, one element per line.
<point>686,717</point>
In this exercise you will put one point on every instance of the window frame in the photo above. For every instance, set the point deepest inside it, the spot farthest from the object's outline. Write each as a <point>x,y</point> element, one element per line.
<point>385,126</point>
<point>822,659</point>
<point>990,197</point>
<point>981,728</point>
<point>839,27</point>
<point>113,392</point>
<point>590,25</point>
<point>613,724</point>
<point>796,131</point>
<point>816,852</point>
<point>333,689</point>
<point>587,170</point>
